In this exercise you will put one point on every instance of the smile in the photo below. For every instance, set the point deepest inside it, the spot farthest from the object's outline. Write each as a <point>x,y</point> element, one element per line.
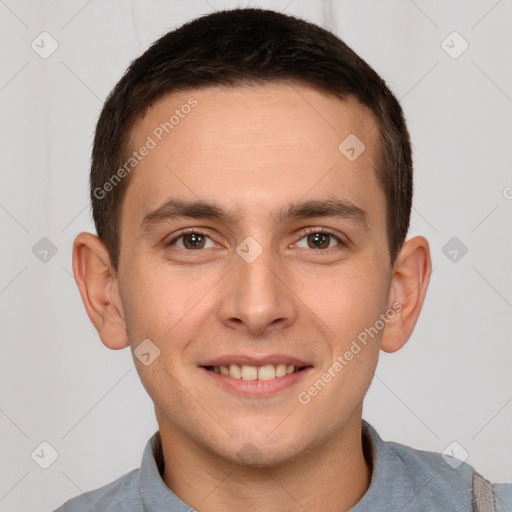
<point>248,372</point>
<point>255,376</point>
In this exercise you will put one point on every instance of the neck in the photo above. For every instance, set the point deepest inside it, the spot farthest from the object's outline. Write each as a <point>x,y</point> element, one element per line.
<point>331,477</point>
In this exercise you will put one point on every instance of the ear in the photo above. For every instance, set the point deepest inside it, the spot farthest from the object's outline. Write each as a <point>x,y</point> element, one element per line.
<point>97,282</point>
<point>409,283</point>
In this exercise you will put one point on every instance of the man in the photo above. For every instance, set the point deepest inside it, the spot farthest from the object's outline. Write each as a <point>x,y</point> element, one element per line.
<point>251,186</point>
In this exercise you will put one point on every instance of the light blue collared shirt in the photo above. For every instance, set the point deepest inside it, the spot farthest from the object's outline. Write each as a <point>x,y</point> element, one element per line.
<point>403,480</point>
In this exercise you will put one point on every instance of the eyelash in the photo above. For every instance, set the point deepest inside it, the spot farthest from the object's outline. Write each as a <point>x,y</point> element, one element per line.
<point>306,232</point>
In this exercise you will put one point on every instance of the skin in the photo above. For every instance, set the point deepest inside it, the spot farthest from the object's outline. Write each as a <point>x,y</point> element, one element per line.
<point>254,150</point>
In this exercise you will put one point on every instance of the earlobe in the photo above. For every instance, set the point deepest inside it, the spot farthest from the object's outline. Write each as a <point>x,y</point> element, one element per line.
<point>97,283</point>
<point>411,275</point>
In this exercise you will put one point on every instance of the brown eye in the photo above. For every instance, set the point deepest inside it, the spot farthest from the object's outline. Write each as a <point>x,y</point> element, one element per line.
<point>192,241</point>
<point>319,239</point>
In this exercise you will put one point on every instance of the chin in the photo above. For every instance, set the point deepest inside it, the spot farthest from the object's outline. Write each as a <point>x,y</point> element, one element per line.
<point>261,444</point>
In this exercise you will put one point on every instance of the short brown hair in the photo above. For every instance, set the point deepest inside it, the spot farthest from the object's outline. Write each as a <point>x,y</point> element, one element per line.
<point>237,47</point>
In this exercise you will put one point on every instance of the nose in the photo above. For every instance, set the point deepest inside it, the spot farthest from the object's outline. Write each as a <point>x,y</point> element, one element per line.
<point>257,297</point>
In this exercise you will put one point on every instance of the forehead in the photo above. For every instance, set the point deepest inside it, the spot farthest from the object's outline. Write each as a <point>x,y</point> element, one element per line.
<point>254,147</point>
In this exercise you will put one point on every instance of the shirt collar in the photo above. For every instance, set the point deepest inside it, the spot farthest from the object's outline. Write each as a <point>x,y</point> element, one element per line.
<point>154,493</point>
<point>400,489</point>
<point>391,481</point>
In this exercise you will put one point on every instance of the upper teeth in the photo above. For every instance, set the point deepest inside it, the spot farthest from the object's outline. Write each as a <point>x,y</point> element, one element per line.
<point>246,372</point>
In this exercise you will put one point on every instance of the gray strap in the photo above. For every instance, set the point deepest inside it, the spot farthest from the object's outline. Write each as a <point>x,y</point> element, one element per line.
<point>483,496</point>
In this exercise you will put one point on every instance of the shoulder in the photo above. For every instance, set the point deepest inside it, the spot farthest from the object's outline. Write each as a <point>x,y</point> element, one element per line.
<point>503,497</point>
<point>129,491</point>
<point>451,480</point>
<point>115,496</point>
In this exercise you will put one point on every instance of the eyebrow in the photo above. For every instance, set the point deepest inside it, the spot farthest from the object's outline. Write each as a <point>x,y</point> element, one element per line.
<point>174,208</point>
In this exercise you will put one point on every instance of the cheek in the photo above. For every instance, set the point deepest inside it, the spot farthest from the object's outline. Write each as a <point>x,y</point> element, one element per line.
<point>355,301</point>
<point>163,303</point>
<point>162,306</point>
<point>347,300</point>
<point>350,307</point>
<point>340,387</point>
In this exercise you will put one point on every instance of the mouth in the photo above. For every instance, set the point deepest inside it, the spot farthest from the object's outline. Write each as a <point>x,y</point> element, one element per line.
<point>249,372</point>
<point>256,377</point>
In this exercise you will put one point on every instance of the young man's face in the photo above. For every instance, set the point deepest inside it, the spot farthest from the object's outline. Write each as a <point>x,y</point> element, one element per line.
<point>253,289</point>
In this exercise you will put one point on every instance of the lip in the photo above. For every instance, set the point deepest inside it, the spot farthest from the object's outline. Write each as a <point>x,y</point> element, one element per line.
<point>255,360</point>
<point>256,388</point>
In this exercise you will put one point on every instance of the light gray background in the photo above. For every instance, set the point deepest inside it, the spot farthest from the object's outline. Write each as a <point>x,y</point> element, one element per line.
<point>59,384</point>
